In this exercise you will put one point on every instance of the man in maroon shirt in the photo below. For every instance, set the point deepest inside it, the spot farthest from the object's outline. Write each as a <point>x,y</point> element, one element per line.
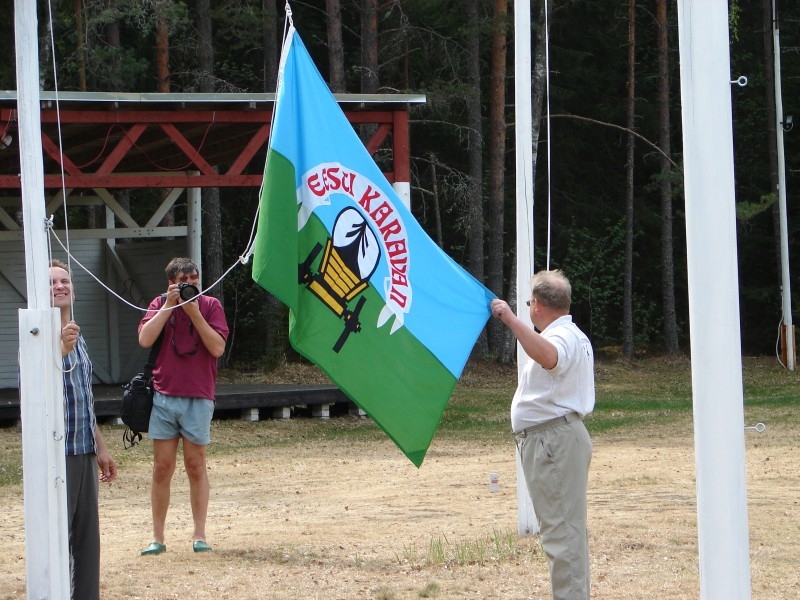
<point>184,379</point>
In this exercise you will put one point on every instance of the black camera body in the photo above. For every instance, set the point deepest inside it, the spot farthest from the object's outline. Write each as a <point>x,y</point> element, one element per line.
<point>188,291</point>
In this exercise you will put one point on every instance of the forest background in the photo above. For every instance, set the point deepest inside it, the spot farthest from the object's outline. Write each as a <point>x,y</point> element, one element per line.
<point>609,205</point>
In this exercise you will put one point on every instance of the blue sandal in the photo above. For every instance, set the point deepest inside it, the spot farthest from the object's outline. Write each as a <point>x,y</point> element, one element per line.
<point>200,546</point>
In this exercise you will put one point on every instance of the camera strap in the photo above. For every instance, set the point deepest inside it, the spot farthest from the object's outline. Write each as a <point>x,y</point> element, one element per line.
<point>151,359</point>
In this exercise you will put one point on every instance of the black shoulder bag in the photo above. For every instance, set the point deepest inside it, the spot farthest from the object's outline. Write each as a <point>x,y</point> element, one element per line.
<point>137,400</point>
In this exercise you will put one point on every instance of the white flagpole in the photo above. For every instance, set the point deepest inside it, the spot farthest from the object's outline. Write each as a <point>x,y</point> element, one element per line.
<point>786,288</point>
<point>523,133</point>
<point>41,385</point>
<point>714,299</point>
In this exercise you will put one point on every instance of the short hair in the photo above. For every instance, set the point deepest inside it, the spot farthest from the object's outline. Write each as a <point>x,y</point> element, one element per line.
<point>180,265</point>
<point>61,265</point>
<point>552,289</point>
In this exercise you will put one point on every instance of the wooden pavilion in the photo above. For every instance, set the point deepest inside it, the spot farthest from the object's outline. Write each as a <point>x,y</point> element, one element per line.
<point>96,144</point>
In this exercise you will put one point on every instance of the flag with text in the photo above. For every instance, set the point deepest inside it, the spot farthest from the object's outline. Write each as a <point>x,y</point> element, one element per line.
<point>373,301</point>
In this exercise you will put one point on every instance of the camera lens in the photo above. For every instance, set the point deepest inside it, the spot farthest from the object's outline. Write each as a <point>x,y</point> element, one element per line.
<point>188,291</point>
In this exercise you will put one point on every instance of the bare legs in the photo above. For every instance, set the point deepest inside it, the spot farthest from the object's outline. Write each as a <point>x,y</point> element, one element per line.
<point>194,460</point>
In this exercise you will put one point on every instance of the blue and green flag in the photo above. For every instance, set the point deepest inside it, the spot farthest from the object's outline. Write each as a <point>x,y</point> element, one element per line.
<point>373,301</point>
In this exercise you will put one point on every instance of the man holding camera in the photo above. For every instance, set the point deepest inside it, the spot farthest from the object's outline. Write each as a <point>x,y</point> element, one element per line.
<point>194,332</point>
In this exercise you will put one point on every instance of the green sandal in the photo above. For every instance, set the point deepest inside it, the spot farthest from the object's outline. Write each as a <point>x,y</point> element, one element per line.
<point>154,548</point>
<point>200,546</point>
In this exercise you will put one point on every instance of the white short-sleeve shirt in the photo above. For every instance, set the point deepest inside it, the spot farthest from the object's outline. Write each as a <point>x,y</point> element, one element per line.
<point>568,387</point>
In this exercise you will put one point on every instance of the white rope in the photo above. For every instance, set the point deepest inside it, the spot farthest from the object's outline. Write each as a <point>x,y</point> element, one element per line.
<point>49,223</point>
<point>240,260</point>
<point>60,150</point>
<point>288,10</point>
<point>549,136</point>
<point>778,344</point>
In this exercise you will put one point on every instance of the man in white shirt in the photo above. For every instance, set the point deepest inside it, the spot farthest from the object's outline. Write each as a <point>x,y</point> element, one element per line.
<point>555,392</point>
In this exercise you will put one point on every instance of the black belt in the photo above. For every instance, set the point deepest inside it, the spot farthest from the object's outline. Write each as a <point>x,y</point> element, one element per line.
<point>568,418</point>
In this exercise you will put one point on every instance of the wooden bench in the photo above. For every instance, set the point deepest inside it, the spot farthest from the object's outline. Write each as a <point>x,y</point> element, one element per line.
<point>249,399</point>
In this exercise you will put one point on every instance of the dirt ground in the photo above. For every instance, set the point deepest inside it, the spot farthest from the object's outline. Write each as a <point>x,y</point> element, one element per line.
<point>313,515</point>
<point>338,519</point>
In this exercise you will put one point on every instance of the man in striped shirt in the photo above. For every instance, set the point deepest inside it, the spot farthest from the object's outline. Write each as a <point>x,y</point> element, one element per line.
<point>85,448</point>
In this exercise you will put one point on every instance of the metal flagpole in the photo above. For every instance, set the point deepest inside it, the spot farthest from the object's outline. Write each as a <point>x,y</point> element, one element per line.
<point>41,384</point>
<point>717,388</point>
<point>787,329</point>
<point>524,212</point>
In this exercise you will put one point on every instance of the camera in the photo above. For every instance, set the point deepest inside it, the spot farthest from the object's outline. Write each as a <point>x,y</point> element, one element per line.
<point>188,291</point>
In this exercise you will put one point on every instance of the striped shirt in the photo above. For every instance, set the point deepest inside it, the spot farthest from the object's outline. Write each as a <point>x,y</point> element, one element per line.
<point>79,401</point>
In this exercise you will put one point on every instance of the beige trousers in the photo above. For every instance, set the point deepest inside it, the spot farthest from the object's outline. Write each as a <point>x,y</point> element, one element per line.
<point>555,460</point>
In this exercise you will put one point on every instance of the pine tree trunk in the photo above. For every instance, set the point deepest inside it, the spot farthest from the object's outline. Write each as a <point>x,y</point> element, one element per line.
<point>369,46</point>
<point>437,212</point>
<point>80,43</point>
<point>113,41</point>
<point>369,58</point>
<point>115,76</point>
<point>162,47</point>
<point>497,151</point>
<point>667,261</point>
<point>475,152</point>
<point>508,347</point>
<point>335,46</point>
<point>271,46</point>
<point>475,143</point>
<point>162,77</point>
<point>627,301</point>
<point>213,267</point>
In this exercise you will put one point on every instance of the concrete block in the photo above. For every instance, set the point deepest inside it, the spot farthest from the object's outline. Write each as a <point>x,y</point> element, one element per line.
<point>321,411</point>
<point>250,414</point>
<point>282,412</point>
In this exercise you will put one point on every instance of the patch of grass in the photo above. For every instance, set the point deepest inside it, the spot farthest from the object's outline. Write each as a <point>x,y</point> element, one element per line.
<point>504,542</point>
<point>500,546</point>
<point>10,456</point>
<point>632,397</point>
<point>431,590</point>
<point>410,555</point>
<point>436,551</point>
<point>645,397</point>
<point>385,593</point>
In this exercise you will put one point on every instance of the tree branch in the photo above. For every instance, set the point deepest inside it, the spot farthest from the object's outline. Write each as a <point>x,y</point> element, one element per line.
<point>621,128</point>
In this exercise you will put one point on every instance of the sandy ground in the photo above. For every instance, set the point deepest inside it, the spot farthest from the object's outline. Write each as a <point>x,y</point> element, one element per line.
<point>337,519</point>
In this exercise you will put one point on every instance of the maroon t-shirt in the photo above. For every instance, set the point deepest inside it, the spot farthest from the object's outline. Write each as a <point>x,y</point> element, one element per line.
<point>183,366</point>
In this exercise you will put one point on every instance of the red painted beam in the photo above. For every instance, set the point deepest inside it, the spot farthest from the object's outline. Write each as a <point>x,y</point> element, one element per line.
<point>127,139</point>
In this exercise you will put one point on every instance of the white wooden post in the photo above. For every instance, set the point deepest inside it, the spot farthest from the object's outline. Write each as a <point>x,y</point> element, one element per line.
<point>112,307</point>
<point>194,229</point>
<point>717,387</point>
<point>41,385</point>
<point>523,132</point>
<point>44,467</point>
<point>786,287</point>
<point>403,190</point>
